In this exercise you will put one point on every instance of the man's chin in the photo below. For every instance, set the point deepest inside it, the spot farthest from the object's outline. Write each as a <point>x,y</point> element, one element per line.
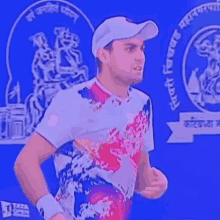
<point>131,78</point>
<point>136,80</point>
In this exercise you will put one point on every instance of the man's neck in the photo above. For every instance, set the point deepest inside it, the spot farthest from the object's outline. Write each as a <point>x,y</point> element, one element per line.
<point>114,86</point>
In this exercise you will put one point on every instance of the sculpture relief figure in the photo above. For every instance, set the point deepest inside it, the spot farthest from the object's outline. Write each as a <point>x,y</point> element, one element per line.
<point>211,74</point>
<point>67,56</point>
<point>53,69</point>
<point>44,62</point>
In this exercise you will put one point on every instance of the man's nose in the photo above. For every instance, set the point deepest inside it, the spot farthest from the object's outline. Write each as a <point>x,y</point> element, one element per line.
<point>140,58</point>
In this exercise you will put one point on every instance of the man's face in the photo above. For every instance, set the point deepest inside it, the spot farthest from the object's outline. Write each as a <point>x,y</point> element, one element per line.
<point>127,60</point>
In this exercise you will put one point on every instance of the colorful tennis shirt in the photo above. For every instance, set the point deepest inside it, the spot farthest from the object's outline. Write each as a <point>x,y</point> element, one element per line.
<point>98,137</point>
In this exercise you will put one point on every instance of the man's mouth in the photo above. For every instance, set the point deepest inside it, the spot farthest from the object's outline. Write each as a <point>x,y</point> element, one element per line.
<point>139,68</point>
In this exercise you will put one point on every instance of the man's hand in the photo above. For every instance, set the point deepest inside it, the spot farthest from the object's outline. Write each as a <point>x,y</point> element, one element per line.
<point>58,216</point>
<point>157,185</point>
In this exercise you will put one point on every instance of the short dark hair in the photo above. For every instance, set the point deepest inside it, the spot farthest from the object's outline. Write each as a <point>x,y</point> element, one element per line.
<point>108,47</point>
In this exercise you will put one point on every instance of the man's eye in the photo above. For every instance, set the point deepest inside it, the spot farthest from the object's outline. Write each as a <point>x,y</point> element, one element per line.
<point>129,49</point>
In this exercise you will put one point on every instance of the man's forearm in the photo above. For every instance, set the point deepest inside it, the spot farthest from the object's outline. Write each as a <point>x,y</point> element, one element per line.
<point>142,180</point>
<point>143,172</point>
<point>31,178</point>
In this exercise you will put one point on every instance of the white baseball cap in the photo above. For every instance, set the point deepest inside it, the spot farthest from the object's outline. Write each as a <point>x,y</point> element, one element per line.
<point>120,28</point>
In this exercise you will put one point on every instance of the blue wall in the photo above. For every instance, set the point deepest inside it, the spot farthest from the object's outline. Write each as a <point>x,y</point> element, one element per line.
<point>191,165</point>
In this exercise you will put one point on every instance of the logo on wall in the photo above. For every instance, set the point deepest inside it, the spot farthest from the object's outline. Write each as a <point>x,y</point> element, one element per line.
<point>193,61</point>
<point>11,209</point>
<point>48,50</point>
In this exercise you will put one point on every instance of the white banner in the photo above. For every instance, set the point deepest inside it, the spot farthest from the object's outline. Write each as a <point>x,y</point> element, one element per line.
<point>193,123</point>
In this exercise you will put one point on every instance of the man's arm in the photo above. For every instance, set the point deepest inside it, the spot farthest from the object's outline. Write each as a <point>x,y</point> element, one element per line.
<point>143,173</point>
<point>27,167</point>
<point>150,182</point>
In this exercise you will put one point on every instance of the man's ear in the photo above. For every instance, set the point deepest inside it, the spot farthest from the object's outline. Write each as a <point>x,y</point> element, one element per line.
<point>103,55</point>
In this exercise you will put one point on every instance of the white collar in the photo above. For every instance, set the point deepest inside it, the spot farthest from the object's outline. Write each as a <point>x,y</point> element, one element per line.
<point>117,98</point>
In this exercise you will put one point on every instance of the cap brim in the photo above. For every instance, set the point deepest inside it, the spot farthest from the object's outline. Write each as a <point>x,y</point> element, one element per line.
<point>148,30</point>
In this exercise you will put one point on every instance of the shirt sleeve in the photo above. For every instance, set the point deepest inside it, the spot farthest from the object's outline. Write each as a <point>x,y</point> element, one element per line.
<point>148,139</point>
<point>55,125</point>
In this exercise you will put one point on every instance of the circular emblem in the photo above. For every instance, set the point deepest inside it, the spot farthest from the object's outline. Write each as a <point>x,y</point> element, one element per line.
<point>192,73</point>
<point>201,68</point>
<point>48,49</point>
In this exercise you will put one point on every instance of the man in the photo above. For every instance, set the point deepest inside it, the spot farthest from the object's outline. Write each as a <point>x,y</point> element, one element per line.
<point>100,133</point>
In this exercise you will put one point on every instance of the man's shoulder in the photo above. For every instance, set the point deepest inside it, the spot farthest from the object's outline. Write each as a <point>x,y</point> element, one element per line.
<point>145,101</point>
<point>73,93</point>
<point>143,96</point>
